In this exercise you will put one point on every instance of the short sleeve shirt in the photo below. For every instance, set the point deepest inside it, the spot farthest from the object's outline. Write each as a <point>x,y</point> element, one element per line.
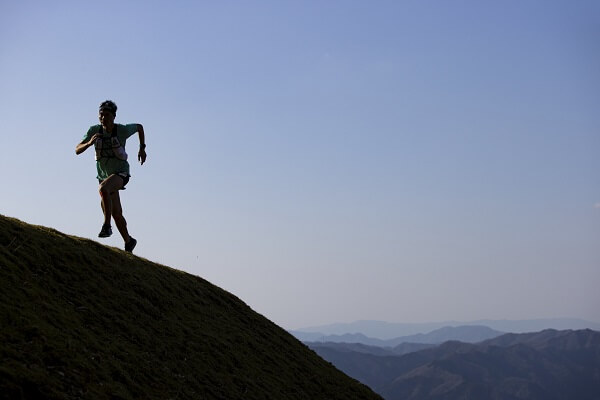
<point>106,167</point>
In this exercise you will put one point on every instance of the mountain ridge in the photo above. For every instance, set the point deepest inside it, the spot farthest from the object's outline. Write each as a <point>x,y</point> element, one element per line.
<point>468,334</point>
<point>389,330</point>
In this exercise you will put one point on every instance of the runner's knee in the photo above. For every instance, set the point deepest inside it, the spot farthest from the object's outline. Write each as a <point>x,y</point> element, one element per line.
<point>103,191</point>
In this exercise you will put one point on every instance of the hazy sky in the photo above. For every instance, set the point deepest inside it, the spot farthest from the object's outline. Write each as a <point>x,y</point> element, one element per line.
<point>325,161</point>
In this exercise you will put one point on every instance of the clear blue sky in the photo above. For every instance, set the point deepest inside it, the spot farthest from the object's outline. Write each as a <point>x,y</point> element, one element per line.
<point>326,161</point>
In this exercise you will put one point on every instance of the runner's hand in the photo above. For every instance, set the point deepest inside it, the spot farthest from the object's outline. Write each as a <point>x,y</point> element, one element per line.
<point>93,139</point>
<point>142,156</point>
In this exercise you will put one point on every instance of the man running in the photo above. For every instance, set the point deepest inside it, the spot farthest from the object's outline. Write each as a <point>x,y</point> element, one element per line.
<point>112,167</point>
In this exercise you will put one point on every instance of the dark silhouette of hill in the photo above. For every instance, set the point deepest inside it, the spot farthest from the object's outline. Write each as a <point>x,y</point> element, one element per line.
<point>82,320</point>
<point>548,365</point>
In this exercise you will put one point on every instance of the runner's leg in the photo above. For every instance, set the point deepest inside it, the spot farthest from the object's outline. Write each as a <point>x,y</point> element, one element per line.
<point>117,214</point>
<point>110,185</point>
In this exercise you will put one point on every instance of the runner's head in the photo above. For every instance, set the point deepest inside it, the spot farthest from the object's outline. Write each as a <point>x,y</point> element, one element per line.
<point>107,113</point>
<point>109,105</point>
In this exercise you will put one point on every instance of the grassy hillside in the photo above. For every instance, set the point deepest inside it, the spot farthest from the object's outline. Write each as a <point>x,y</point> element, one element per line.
<point>81,320</point>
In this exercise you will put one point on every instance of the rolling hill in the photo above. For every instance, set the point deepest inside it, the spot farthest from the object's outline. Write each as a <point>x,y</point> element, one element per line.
<point>82,320</point>
<point>546,365</point>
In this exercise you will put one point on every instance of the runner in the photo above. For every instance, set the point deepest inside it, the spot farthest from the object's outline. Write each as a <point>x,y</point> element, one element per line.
<point>112,167</point>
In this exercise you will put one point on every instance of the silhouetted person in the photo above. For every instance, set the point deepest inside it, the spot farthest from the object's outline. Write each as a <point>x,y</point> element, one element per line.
<point>112,167</point>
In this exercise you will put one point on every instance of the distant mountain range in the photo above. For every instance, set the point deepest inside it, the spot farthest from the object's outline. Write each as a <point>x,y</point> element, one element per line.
<point>547,365</point>
<point>388,330</point>
<point>467,334</point>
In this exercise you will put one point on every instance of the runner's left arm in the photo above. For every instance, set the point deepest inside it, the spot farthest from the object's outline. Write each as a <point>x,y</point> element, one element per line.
<point>142,152</point>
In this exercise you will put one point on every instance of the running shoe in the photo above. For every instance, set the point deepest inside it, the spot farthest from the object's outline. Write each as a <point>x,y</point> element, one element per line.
<point>105,232</point>
<point>129,246</point>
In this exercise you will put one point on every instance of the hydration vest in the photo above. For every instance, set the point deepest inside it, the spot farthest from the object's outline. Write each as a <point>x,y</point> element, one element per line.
<point>109,147</point>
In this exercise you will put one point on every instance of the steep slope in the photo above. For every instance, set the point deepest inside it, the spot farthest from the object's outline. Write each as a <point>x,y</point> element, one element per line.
<point>81,320</point>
